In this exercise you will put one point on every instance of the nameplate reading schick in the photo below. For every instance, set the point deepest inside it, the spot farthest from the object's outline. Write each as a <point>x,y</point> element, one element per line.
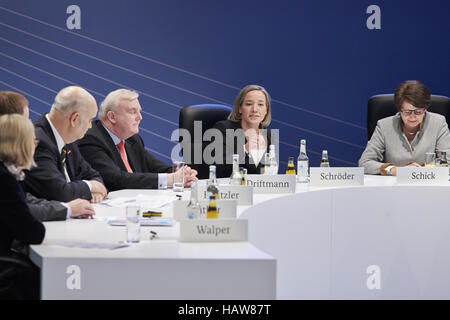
<point>336,176</point>
<point>226,209</point>
<point>213,230</point>
<point>422,175</point>
<point>242,194</point>
<point>276,183</point>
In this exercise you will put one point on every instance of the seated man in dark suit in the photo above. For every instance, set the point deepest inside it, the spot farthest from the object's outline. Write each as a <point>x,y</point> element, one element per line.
<point>62,173</point>
<point>42,209</point>
<point>114,148</point>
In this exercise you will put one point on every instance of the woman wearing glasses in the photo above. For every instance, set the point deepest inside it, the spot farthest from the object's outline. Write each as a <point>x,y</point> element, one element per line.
<point>403,139</point>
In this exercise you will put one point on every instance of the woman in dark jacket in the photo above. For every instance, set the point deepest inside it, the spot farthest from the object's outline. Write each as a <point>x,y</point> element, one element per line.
<point>16,223</point>
<point>246,125</point>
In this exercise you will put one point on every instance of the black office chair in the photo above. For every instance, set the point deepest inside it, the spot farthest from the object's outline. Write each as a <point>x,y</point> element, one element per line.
<point>208,114</point>
<point>13,272</point>
<point>382,106</point>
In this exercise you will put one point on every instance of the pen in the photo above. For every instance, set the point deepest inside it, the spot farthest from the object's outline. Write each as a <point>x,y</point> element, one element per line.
<point>149,214</point>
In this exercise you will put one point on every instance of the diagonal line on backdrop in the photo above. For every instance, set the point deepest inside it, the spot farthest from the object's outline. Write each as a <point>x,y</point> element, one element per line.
<point>115,65</point>
<point>157,135</point>
<point>25,93</point>
<point>319,134</point>
<point>72,83</point>
<point>51,90</point>
<point>95,75</point>
<point>89,73</point>
<point>161,154</point>
<point>178,69</point>
<point>319,153</point>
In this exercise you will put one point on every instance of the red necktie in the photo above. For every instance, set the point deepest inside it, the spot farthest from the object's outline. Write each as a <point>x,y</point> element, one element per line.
<point>121,147</point>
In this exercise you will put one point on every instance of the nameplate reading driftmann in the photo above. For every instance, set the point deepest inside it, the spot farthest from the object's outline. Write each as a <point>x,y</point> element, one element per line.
<point>278,183</point>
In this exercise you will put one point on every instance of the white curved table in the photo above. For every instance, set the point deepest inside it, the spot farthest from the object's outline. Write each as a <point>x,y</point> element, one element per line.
<point>378,241</point>
<point>152,269</point>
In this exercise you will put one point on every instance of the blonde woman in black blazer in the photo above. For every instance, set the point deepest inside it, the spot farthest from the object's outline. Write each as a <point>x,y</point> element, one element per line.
<point>248,121</point>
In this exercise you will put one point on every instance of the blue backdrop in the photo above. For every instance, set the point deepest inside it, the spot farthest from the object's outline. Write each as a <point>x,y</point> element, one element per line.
<point>317,59</point>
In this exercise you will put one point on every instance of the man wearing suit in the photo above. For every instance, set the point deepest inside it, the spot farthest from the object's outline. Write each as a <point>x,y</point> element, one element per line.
<point>114,148</point>
<point>42,209</point>
<point>62,173</point>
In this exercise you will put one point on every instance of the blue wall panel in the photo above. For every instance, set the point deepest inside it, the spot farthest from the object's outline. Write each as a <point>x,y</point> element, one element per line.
<point>317,59</point>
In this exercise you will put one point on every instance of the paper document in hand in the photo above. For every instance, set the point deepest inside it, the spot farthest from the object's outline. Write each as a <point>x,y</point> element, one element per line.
<point>145,202</point>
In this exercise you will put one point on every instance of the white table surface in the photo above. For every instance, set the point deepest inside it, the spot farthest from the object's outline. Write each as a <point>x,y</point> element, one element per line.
<point>324,240</point>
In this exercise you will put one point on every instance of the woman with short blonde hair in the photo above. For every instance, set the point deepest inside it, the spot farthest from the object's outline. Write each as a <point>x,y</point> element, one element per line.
<point>16,222</point>
<point>17,141</point>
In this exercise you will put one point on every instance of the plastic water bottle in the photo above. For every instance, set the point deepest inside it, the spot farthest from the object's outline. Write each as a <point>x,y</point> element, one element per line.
<point>273,164</point>
<point>193,210</point>
<point>302,164</point>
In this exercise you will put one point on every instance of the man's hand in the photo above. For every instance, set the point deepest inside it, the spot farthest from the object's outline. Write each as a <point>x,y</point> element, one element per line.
<point>98,191</point>
<point>81,209</point>
<point>190,176</point>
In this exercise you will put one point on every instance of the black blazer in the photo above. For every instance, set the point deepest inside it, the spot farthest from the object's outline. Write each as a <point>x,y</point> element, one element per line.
<point>99,150</point>
<point>47,180</point>
<point>224,170</point>
<point>16,222</point>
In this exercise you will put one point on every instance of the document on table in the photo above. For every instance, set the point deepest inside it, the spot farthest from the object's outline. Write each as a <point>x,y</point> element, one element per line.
<point>145,202</point>
<point>86,244</point>
<point>145,222</point>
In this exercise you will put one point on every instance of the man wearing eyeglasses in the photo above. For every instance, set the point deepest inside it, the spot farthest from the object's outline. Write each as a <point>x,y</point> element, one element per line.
<point>404,139</point>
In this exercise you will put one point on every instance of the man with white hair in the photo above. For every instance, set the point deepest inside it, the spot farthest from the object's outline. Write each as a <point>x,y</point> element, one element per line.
<point>62,173</point>
<point>114,148</point>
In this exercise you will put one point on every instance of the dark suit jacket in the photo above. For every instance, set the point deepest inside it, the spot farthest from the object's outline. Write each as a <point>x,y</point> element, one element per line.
<point>45,210</point>
<point>47,180</point>
<point>225,170</point>
<point>16,222</point>
<point>99,150</point>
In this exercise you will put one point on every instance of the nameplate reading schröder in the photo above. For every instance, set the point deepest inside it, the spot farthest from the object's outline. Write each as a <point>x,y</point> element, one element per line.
<point>422,175</point>
<point>276,183</point>
<point>226,209</point>
<point>242,194</point>
<point>213,230</point>
<point>336,176</point>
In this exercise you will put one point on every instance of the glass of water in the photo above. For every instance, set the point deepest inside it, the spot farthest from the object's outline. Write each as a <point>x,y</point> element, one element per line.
<point>178,177</point>
<point>133,222</point>
<point>430,159</point>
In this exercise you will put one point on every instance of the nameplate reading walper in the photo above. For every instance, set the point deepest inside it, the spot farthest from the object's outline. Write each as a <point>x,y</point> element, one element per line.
<point>226,209</point>
<point>242,194</point>
<point>422,175</point>
<point>213,230</point>
<point>336,176</point>
<point>277,183</point>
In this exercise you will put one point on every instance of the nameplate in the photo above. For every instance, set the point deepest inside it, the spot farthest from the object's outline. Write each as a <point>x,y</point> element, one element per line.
<point>276,183</point>
<point>242,194</point>
<point>226,209</point>
<point>336,176</point>
<point>422,175</point>
<point>213,230</point>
